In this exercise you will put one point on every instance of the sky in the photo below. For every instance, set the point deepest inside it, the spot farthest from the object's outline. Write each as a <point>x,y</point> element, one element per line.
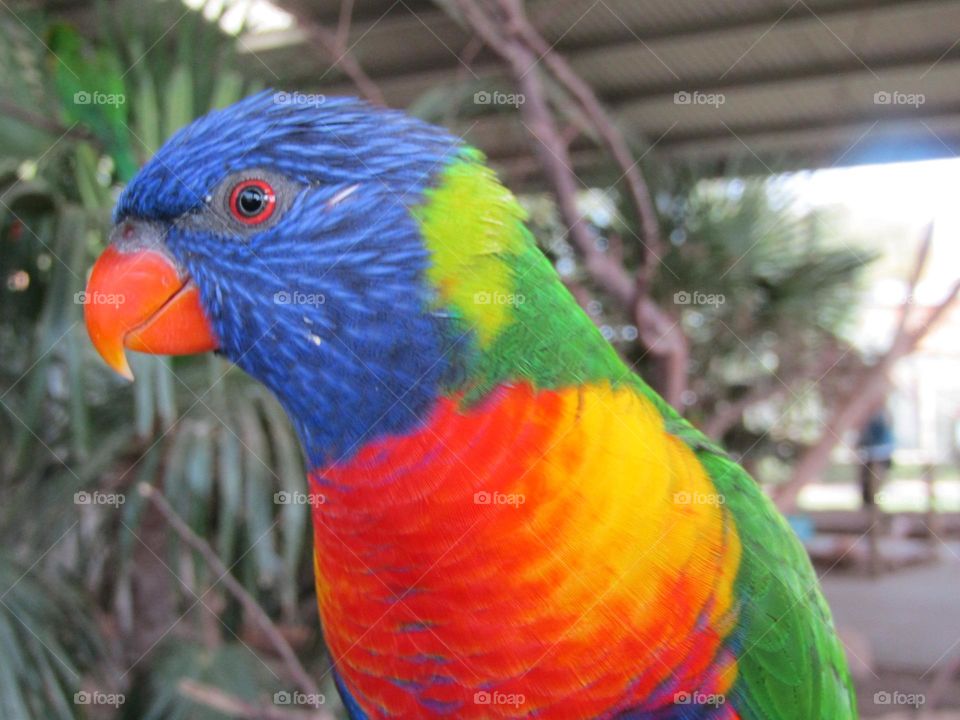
<point>897,191</point>
<point>908,195</point>
<point>260,15</point>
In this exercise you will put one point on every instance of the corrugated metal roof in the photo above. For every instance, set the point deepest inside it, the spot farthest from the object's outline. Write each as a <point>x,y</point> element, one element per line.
<point>798,78</point>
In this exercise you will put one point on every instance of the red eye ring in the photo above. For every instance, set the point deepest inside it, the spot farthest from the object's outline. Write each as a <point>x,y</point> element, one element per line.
<point>253,201</point>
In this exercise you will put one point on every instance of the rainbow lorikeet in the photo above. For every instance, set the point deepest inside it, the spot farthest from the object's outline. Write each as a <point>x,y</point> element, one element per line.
<point>513,523</point>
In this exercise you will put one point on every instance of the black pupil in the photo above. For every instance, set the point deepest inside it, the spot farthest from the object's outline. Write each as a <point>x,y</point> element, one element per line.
<point>251,201</point>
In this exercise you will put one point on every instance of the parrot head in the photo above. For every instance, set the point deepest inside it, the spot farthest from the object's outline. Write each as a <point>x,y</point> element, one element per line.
<point>279,232</point>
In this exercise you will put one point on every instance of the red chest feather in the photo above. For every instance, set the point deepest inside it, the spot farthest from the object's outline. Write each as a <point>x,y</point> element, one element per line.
<point>526,555</point>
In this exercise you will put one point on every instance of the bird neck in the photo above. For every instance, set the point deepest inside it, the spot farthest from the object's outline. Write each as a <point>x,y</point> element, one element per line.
<point>486,309</point>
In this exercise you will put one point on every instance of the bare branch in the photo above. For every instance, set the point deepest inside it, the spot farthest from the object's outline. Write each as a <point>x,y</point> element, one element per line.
<point>47,123</point>
<point>942,681</point>
<point>344,59</point>
<point>344,22</point>
<point>610,135</point>
<point>729,415</point>
<point>870,387</point>
<point>918,265</point>
<point>249,604</point>
<point>924,326</point>
<point>506,30</point>
<point>335,44</point>
<point>235,707</point>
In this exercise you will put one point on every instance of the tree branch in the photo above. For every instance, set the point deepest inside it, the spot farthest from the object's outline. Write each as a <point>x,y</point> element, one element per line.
<point>869,388</point>
<point>610,135</point>
<point>506,30</point>
<point>717,425</point>
<point>249,604</point>
<point>727,415</point>
<point>47,123</point>
<point>235,707</point>
<point>919,264</point>
<point>335,44</point>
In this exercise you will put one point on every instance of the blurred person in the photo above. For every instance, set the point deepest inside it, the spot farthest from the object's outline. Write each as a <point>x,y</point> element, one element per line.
<point>875,448</point>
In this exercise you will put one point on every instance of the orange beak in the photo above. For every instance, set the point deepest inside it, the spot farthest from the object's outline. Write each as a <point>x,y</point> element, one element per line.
<point>139,298</point>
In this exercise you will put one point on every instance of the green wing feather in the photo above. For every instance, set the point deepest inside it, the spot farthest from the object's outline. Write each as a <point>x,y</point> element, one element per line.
<point>791,664</point>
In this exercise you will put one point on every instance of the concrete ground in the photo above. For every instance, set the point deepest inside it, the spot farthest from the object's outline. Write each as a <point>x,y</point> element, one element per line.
<point>900,628</point>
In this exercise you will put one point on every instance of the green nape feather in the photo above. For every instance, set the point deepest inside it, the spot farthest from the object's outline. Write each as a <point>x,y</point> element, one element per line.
<point>526,324</point>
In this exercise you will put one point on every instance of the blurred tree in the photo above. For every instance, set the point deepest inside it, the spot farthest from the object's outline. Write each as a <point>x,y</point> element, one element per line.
<point>78,115</point>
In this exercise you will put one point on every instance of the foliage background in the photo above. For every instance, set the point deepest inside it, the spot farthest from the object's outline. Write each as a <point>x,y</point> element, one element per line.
<point>115,601</point>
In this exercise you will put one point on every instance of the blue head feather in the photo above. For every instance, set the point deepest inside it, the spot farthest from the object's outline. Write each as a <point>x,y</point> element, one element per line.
<point>328,306</point>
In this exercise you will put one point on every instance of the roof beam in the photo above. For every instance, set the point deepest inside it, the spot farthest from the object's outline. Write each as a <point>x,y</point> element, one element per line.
<point>364,13</point>
<point>843,122</point>
<point>920,58</point>
<point>760,19</point>
<point>851,121</point>
<point>623,102</point>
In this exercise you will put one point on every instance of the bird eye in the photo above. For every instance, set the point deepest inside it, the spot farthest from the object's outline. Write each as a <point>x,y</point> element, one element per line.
<point>252,201</point>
